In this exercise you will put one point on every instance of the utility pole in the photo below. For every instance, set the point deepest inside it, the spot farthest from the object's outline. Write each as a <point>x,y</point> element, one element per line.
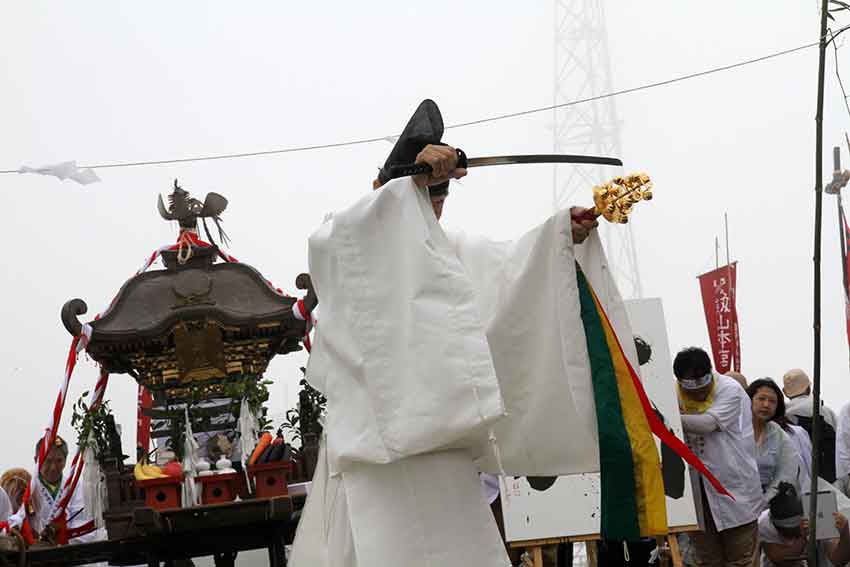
<point>816,323</point>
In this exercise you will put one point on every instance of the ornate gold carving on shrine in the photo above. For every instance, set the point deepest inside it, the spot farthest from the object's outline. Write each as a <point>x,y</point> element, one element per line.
<point>200,350</point>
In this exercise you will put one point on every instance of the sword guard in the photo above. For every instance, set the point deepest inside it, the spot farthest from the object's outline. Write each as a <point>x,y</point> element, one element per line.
<point>588,215</point>
<point>461,158</point>
<point>408,169</point>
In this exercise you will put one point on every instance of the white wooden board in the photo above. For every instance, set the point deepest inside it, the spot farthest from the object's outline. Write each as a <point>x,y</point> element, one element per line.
<point>570,506</point>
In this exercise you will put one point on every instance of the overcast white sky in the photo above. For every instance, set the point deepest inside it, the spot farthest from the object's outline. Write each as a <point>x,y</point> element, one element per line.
<point>113,81</point>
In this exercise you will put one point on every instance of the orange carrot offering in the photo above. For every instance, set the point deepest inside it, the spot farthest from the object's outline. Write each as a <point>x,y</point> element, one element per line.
<point>265,441</point>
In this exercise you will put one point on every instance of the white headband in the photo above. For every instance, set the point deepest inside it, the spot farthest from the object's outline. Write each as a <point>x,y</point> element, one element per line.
<point>792,522</point>
<point>695,383</point>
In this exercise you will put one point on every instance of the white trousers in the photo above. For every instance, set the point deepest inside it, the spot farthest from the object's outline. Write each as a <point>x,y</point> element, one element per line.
<point>422,511</point>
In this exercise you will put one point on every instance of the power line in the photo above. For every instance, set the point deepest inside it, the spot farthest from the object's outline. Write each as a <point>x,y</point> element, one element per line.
<point>458,125</point>
<point>639,88</point>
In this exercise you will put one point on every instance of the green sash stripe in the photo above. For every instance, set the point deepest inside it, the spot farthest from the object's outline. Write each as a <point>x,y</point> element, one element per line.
<point>619,505</point>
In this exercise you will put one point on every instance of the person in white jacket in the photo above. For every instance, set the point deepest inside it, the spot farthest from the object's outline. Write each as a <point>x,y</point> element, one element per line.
<point>718,425</point>
<point>798,388</point>
<point>842,444</point>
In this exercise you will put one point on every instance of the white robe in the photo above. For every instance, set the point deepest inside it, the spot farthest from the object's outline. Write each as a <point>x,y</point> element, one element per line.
<point>441,357</point>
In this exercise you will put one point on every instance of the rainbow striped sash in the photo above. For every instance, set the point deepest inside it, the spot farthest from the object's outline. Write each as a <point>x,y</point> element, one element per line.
<point>633,503</point>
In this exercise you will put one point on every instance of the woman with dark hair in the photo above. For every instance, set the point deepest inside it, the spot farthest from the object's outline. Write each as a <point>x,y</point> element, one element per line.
<point>778,460</point>
<point>799,437</point>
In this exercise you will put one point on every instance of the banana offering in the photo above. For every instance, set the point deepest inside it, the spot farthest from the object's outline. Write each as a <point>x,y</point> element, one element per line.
<point>145,471</point>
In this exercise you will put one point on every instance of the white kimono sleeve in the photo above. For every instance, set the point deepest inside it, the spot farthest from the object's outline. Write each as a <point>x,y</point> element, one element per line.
<point>401,352</point>
<point>528,296</point>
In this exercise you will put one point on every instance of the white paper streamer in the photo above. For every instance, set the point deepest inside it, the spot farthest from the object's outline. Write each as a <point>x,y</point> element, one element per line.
<point>249,429</point>
<point>63,171</point>
<point>190,495</point>
<point>94,488</point>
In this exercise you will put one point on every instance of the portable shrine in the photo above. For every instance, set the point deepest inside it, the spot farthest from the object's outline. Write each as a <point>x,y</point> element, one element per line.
<point>198,336</point>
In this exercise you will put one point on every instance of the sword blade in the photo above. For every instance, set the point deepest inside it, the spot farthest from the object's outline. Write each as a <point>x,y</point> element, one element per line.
<point>542,158</point>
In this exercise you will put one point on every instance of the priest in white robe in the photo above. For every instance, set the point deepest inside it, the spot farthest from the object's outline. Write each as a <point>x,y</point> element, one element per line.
<point>442,356</point>
<point>47,490</point>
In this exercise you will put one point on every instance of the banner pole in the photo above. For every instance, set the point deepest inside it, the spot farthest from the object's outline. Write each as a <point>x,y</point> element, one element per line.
<point>716,253</point>
<point>733,292</point>
<point>842,238</point>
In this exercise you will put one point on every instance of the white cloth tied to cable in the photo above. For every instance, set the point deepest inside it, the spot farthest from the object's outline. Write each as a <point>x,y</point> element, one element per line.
<point>64,170</point>
<point>428,343</point>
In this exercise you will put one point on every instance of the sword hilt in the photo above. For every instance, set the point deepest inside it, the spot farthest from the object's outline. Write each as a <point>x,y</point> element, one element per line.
<point>408,169</point>
<point>588,215</point>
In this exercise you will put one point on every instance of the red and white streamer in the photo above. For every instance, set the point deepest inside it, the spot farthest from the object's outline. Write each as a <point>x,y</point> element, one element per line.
<point>299,311</point>
<point>95,399</point>
<point>78,343</point>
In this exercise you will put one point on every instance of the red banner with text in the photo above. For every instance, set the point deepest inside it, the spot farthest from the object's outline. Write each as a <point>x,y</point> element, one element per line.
<point>721,316</point>
<point>846,270</point>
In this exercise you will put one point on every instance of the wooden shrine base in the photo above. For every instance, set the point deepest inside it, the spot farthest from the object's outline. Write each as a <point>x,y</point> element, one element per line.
<point>218,530</point>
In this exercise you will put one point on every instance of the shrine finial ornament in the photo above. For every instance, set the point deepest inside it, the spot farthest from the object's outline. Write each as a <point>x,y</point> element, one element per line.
<point>186,210</point>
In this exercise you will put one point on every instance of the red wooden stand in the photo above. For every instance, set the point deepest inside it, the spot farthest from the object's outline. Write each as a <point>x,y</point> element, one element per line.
<point>161,493</point>
<point>219,488</point>
<point>270,479</point>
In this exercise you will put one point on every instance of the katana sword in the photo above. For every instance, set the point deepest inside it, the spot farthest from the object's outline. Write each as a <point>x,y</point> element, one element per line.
<point>613,200</point>
<point>405,170</point>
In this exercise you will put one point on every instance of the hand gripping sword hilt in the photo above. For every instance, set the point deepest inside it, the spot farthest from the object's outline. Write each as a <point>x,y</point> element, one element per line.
<point>408,169</point>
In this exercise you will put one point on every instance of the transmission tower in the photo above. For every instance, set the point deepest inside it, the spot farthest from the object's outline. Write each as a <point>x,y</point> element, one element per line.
<point>583,70</point>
